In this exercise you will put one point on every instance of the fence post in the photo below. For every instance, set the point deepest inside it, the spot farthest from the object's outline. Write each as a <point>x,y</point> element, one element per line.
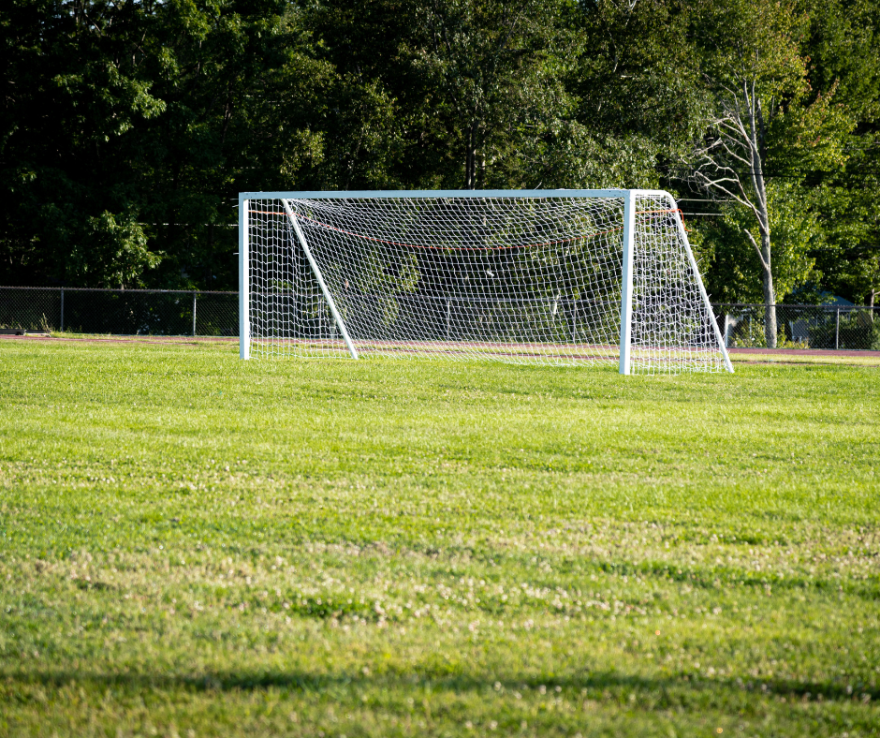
<point>62,311</point>
<point>837,330</point>
<point>194,312</point>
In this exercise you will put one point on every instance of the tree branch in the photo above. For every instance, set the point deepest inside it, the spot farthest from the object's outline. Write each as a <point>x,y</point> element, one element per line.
<point>757,248</point>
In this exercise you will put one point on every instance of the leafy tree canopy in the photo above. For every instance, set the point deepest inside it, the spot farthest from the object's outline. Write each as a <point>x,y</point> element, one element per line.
<point>128,127</point>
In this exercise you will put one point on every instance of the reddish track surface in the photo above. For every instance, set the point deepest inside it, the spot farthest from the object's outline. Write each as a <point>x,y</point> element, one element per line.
<point>196,340</point>
<point>805,352</point>
<point>176,340</point>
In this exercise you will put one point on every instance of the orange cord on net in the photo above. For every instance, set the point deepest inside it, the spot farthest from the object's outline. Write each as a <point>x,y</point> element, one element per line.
<point>464,248</point>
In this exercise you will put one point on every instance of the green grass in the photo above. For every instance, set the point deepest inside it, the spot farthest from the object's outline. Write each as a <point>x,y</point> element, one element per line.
<point>194,545</point>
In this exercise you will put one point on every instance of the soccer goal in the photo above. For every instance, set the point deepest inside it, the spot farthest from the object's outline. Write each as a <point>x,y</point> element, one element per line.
<point>542,276</point>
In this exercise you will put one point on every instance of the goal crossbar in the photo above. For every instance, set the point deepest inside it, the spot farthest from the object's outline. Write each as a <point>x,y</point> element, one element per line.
<point>547,276</point>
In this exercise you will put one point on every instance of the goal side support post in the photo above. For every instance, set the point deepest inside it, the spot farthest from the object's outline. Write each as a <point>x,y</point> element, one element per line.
<point>331,303</point>
<point>693,262</point>
<point>626,281</point>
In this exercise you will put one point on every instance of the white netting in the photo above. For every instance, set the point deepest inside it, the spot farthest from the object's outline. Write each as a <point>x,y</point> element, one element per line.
<point>519,279</point>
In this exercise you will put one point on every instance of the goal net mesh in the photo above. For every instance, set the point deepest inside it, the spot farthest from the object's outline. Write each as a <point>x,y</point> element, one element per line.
<point>512,278</point>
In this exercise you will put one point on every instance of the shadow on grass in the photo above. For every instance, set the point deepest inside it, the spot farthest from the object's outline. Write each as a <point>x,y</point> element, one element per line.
<point>658,693</point>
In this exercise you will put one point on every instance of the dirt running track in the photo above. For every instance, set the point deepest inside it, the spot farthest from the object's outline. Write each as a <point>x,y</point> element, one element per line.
<point>751,355</point>
<point>162,340</point>
<point>806,352</point>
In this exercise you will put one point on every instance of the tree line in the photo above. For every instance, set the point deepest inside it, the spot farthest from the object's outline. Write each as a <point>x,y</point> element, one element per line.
<point>128,128</point>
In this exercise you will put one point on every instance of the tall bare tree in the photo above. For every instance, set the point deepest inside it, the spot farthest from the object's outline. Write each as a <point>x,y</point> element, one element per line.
<point>754,68</point>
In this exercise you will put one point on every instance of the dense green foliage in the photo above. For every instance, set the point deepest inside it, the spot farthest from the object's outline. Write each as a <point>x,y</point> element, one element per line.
<point>189,542</point>
<point>128,127</point>
<point>794,134</point>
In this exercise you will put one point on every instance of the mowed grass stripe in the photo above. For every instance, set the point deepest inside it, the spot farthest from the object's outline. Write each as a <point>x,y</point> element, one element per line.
<point>193,543</point>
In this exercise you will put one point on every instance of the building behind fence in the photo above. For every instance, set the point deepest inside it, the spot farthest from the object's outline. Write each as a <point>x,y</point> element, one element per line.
<point>802,326</point>
<point>196,313</point>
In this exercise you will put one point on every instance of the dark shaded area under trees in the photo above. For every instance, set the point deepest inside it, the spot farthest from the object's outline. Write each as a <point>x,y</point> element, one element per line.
<point>128,128</point>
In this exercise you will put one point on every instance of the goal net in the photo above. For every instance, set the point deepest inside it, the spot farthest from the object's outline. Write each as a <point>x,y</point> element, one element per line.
<point>556,277</point>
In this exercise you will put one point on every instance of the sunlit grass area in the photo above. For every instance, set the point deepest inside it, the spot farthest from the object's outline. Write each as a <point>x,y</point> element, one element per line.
<point>194,545</point>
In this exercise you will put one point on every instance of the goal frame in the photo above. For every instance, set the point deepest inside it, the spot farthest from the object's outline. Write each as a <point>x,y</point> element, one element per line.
<point>628,196</point>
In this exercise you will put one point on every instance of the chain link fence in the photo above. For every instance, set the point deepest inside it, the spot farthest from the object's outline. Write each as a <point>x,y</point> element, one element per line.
<point>194,313</point>
<point>120,312</point>
<point>802,326</point>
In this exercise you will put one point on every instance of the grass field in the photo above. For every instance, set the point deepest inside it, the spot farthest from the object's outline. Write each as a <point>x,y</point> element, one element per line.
<point>194,545</point>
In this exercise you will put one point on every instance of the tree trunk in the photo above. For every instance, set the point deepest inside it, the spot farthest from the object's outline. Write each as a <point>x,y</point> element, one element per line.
<point>470,165</point>
<point>770,330</point>
<point>765,255</point>
<point>757,138</point>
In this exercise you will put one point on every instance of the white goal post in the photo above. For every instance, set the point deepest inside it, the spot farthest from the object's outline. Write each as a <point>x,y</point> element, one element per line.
<point>526,276</point>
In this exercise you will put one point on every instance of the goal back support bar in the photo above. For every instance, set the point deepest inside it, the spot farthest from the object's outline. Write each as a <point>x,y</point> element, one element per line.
<point>323,215</point>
